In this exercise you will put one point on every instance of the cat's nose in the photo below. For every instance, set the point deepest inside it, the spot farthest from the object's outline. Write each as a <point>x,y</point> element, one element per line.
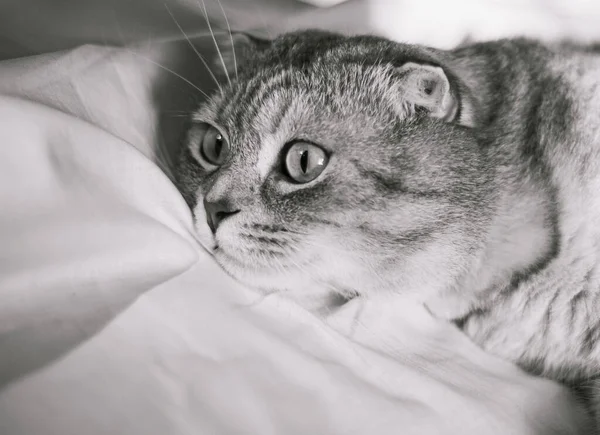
<point>217,212</point>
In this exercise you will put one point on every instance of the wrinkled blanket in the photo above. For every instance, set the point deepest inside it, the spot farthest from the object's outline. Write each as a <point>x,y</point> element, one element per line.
<point>114,320</point>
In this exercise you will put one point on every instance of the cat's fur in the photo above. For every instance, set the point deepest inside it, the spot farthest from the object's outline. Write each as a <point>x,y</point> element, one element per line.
<point>492,219</point>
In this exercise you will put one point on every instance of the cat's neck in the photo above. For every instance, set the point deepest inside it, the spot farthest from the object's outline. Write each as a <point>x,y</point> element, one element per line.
<point>523,235</point>
<point>521,240</point>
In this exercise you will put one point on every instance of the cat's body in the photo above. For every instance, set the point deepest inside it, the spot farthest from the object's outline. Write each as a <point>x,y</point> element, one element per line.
<point>548,321</point>
<point>468,179</point>
<point>543,110</point>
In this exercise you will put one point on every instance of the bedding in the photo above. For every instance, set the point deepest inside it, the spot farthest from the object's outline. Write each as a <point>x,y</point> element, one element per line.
<point>114,320</point>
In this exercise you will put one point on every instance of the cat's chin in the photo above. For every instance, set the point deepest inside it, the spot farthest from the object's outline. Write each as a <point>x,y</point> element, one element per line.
<point>309,294</point>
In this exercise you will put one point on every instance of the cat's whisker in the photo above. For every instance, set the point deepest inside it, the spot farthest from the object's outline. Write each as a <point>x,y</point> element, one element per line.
<point>296,232</point>
<point>120,32</point>
<point>230,38</point>
<point>311,242</point>
<point>193,46</point>
<point>162,158</point>
<point>282,266</point>
<point>260,13</point>
<point>166,69</point>
<point>298,266</point>
<point>215,41</point>
<point>270,260</point>
<point>331,248</point>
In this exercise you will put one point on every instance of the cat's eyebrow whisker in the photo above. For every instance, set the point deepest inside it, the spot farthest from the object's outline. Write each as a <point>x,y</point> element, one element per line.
<point>215,41</point>
<point>193,46</point>
<point>124,47</point>
<point>230,38</point>
<point>166,69</point>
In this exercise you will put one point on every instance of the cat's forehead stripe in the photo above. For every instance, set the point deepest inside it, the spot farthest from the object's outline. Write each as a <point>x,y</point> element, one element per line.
<point>255,112</point>
<point>267,156</point>
<point>276,131</point>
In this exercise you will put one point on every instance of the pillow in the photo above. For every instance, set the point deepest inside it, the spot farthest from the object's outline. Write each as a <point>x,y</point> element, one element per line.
<point>87,225</point>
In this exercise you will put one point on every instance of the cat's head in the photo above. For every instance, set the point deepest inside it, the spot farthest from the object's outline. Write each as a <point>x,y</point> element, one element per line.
<point>337,164</point>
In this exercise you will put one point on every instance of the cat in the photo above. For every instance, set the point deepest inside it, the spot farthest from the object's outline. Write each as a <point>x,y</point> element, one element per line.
<point>469,179</point>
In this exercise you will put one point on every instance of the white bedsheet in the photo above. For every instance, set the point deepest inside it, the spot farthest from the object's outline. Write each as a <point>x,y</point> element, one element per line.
<point>114,321</point>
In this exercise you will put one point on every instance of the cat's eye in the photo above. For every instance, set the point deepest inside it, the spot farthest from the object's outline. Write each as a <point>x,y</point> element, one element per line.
<point>304,162</point>
<point>213,147</point>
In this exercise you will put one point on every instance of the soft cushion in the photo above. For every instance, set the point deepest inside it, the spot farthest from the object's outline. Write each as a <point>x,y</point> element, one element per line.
<point>81,235</point>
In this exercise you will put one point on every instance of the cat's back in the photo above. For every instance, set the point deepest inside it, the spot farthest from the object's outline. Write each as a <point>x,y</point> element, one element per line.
<point>550,322</point>
<point>578,70</point>
<point>569,135</point>
<point>540,103</point>
<point>568,131</point>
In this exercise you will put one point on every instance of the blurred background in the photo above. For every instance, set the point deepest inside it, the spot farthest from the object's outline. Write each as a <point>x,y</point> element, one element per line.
<point>35,26</point>
<point>170,65</point>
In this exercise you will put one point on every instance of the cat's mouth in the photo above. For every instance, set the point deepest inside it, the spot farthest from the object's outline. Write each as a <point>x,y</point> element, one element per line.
<point>257,261</point>
<point>259,251</point>
<point>294,280</point>
<point>249,260</point>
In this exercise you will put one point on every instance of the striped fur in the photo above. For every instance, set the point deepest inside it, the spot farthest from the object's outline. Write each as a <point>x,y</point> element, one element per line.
<point>492,220</point>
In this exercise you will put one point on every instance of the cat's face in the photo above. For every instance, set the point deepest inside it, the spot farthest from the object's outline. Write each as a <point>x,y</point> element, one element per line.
<point>326,167</point>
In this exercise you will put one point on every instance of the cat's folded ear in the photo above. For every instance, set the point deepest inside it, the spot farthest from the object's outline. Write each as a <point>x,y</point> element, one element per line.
<point>427,88</point>
<point>235,49</point>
